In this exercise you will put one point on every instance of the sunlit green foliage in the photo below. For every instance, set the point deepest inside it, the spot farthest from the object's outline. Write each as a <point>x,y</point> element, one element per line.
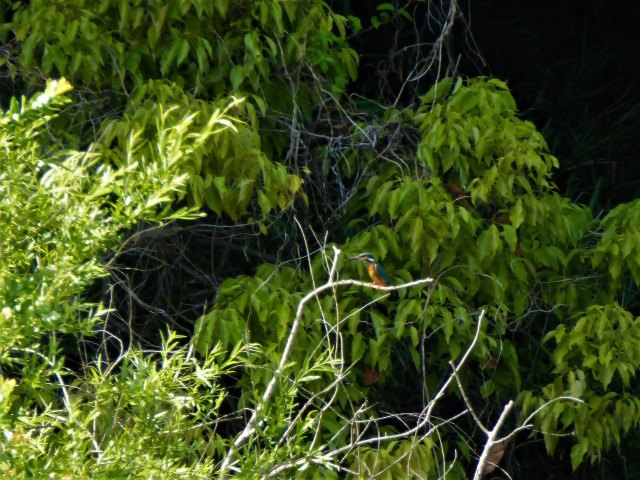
<point>618,250</point>
<point>481,216</point>
<point>217,46</point>
<point>279,55</point>
<point>220,156</point>
<point>62,210</point>
<point>145,416</point>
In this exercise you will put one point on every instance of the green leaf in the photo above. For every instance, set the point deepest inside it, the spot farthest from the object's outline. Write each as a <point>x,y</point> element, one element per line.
<point>237,76</point>
<point>386,6</point>
<point>357,347</point>
<point>517,214</point>
<point>264,203</point>
<point>251,43</point>
<point>183,51</point>
<point>169,57</point>
<point>606,375</point>
<point>464,100</point>
<point>437,91</point>
<point>379,322</point>
<point>415,338</point>
<point>378,193</point>
<point>517,267</point>
<point>510,236</point>
<point>417,233</point>
<point>578,451</point>
<point>629,242</point>
<point>489,243</point>
<point>615,267</point>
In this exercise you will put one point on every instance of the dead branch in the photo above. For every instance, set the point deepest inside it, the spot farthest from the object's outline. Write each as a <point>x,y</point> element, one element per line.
<point>250,427</point>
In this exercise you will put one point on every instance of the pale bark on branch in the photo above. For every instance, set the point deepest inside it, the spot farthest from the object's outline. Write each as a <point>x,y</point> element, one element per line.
<point>250,427</point>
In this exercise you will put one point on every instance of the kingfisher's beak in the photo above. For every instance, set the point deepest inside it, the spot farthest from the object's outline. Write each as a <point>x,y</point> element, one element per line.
<point>353,258</point>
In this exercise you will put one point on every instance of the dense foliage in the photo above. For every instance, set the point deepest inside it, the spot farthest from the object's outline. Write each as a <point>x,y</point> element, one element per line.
<point>231,117</point>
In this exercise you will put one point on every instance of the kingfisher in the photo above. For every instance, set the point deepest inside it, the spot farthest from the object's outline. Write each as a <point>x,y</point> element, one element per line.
<point>376,272</point>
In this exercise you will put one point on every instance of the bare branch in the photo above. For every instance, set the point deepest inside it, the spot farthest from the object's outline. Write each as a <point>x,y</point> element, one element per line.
<point>491,441</point>
<point>527,422</point>
<point>250,427</point>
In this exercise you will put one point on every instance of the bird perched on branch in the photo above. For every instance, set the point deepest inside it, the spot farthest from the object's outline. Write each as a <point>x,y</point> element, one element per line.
<point>376,272</point>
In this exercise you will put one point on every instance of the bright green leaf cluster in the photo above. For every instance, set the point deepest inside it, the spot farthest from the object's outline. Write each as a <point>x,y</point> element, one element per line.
<point>215,47</point>
<point>219,156</point>
<point>119,49</point>
<point>62,210</point>
<point>605,341</point>
<point>401,459</point>
<point>154,416</point>
<point>619,247</point>
<point>474,138</point>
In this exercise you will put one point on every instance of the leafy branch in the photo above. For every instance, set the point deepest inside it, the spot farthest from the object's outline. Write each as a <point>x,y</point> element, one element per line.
<point>250,427</point>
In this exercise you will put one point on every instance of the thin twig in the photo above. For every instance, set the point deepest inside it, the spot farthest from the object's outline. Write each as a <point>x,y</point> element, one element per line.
<point>468,403</point>
<point>424,417</point>
<point>250,427</point>
<point>492,439</point>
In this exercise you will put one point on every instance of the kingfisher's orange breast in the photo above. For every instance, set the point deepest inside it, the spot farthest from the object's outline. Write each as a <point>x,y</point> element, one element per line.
<point>377,279</point>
